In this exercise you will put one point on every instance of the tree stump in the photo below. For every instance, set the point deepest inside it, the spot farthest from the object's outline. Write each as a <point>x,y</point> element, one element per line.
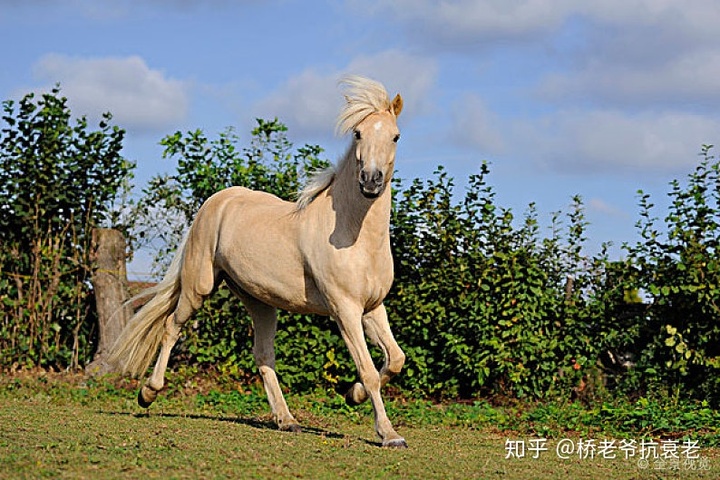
<point>110,283</point>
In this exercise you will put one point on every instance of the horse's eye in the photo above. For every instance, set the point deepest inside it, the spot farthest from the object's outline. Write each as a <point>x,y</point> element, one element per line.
<point>357,135</point>
<point>396,138</point>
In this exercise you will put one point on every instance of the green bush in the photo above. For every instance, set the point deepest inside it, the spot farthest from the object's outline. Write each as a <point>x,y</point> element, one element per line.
<point>57,182</point>
<point>484,306</point>
<point>677,265</point>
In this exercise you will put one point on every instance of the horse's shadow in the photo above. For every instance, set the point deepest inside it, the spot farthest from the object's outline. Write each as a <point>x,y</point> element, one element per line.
<point>250,422</point>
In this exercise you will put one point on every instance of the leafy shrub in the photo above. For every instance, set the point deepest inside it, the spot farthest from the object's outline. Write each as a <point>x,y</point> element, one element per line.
<point>57,182</point>
<point>678,268</point>
<point>484,306</point>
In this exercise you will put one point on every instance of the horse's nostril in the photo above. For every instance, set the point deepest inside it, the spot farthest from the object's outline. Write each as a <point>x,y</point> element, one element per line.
<point>371,179</point>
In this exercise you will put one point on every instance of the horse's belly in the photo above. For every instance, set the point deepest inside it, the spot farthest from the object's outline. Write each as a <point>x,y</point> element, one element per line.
<point>290,296</point>
<point>276,282</point>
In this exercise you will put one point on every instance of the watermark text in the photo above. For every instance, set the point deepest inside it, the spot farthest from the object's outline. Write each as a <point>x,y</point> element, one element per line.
<point>646,453</point>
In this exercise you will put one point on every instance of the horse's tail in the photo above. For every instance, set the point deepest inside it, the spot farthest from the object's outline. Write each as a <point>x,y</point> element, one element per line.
<point>139,341</point>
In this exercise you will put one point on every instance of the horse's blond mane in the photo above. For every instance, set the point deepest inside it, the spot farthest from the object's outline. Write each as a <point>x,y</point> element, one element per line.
<point>363,97</point>
<point>318,182</point>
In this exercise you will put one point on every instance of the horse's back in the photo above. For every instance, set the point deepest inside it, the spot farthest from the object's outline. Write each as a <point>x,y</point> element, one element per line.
<point>245,195</point>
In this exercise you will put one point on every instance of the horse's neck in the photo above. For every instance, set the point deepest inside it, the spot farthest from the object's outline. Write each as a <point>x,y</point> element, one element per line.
<point>366,220</point>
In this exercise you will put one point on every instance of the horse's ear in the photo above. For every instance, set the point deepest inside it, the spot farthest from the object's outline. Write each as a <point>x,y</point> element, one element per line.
<point>397,105</point>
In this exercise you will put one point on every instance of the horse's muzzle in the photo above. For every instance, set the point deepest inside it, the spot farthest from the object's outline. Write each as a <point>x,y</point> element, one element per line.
<point>372,183</point>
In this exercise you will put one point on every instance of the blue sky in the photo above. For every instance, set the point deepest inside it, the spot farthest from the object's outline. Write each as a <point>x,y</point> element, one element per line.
<point>563,97</point>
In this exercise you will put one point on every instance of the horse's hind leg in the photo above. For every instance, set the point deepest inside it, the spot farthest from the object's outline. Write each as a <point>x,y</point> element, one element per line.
<point>377,328</point>
<point>173,325</point>
<point>264,319</point>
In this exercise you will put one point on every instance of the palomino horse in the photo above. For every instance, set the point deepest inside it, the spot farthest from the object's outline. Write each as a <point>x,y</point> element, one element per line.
<point>328,254</point>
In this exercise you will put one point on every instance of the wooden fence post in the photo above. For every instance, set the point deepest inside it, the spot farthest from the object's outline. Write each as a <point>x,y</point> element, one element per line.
<point>111,292</point>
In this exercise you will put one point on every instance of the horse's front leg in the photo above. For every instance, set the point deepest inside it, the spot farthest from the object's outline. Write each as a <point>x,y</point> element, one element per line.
<point>349,320</point>
<point>377,328</point>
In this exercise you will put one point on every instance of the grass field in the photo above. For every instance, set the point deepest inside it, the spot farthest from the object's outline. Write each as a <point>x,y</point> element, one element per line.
<point>62,427</point>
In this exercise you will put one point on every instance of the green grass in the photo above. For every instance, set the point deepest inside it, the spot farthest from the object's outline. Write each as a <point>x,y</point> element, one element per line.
<point>65,427</point>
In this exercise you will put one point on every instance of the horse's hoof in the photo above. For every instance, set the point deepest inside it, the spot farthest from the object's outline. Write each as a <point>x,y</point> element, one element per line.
<point>355,395</point>
<point>395,443</point>
<point>345,389</point>
<point>350,400</point>
<point>146,396</point>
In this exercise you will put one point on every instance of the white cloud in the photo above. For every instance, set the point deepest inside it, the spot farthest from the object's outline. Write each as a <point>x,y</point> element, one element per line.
<point>310,101</point>
<point>603,207</point>
<point>611,141</point>
<point>469,23</point>
<point>574,141</point>
<point>610,52</point>
<point>140,98</point>
<point>686,81</point>
<point>642,53</point>
<point>463,23</point>
<point>697,19</point>
<point>475,125</point>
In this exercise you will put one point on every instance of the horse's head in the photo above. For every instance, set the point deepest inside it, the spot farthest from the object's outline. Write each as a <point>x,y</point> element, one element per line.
<point>374,141</point>
<point>372,118</point>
